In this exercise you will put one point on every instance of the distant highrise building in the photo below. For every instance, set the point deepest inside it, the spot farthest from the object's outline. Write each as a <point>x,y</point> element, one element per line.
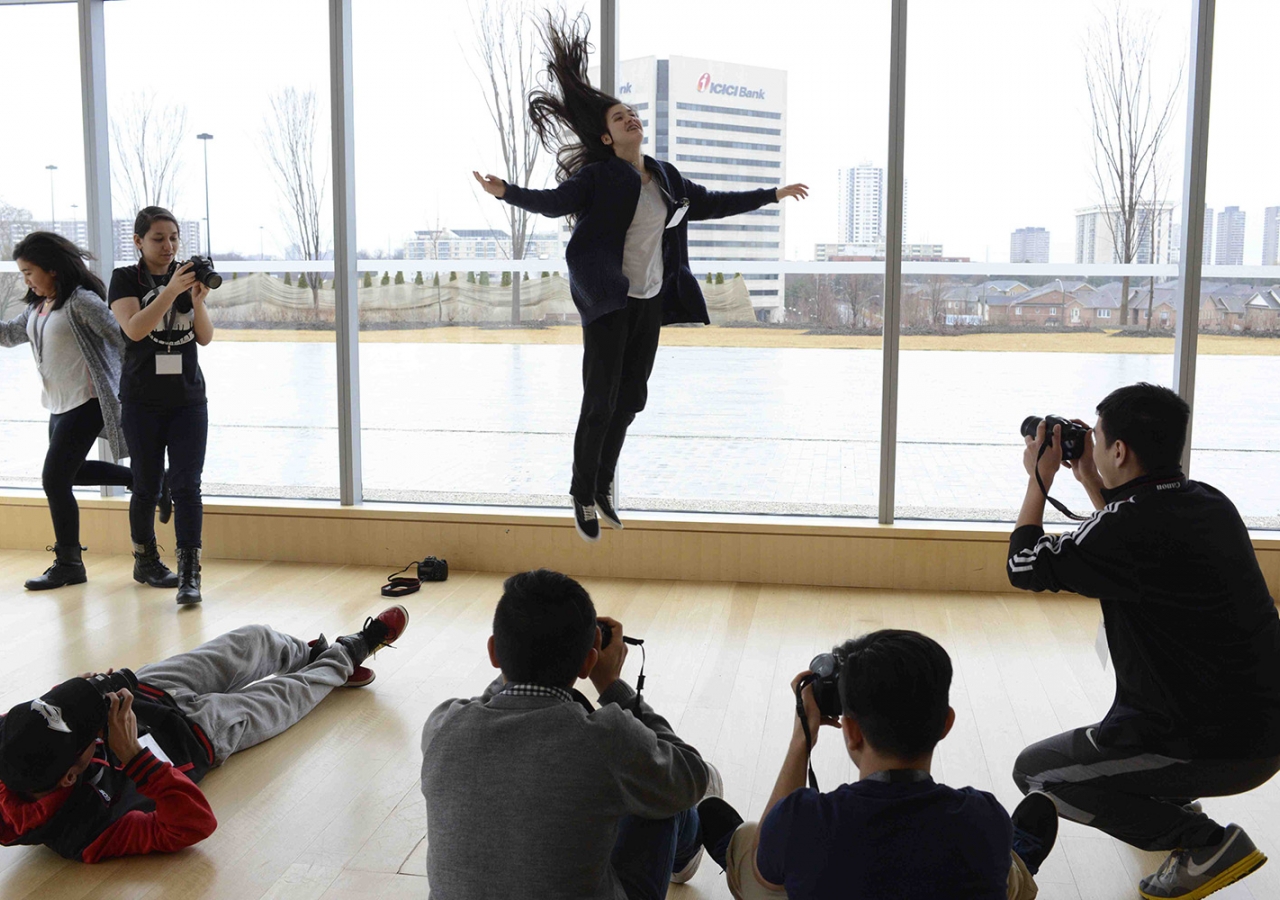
<point>1206,255</point>
<point>723,125</point>
<point>1230,247</point>
<point>1152,242</point>
<point>1029,245</point>
<point>1271,236</point>
<point>860,205</point>
<point>77,231</point>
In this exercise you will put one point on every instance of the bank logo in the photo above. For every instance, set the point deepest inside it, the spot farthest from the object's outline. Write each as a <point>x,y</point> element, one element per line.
<point>706,85</point>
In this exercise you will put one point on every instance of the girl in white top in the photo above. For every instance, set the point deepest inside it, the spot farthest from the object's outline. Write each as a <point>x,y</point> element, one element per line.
<point>77,347</point>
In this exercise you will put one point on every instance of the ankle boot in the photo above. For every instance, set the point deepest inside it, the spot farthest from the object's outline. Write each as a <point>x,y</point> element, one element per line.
<point>149,569</point>
<point>67,568</point>
<point>188,576</point>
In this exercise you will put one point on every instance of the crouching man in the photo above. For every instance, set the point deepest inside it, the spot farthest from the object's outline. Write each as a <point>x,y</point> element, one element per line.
<point>1193,635</point>
<point>107,765</point>
<point>533,792</point>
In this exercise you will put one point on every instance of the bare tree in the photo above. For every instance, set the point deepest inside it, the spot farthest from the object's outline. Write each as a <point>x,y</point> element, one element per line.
<point>505,42</point>
<point>14,223</point>
<point>289,139</point>
<point>148,136</point>
<point>1131,119</point>
<point>935,296</point>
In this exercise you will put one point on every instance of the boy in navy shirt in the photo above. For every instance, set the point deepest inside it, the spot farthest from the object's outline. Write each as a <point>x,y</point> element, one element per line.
<point>895,833</point>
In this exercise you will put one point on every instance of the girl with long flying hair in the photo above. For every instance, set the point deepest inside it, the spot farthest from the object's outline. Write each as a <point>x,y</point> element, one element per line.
<point>628,257</point>
<point>160,307</point>
<point>78,350</point>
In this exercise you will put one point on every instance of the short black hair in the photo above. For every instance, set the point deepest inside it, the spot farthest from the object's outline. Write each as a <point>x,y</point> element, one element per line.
<point>1151,420</point>
<point>543,629</point>
<point>896,684</point>
<point>149,215</point>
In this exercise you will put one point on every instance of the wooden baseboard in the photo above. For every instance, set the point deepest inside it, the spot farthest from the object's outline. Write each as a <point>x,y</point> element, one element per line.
<point>755,549</point>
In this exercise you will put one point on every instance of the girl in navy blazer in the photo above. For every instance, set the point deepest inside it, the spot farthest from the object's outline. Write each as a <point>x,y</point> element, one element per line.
<point>628,257</point>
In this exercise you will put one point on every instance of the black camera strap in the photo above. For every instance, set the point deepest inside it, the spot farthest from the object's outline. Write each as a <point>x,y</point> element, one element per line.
<point>804,724</point>
<point>1058,505</point>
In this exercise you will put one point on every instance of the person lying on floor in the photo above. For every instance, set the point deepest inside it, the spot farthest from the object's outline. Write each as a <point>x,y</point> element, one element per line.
<point>895,834</point>
<point>107,765</point>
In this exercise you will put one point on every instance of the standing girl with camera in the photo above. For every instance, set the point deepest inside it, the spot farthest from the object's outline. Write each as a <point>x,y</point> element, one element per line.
<point>78,350</point>
<point>628,257</point>
<point>160,307</point>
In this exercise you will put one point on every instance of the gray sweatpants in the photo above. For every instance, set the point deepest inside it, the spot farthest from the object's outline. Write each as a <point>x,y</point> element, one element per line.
<point>224,685</point>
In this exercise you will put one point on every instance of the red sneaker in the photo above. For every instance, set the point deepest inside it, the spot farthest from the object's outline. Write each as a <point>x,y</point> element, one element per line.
<point>359,677</point>
<point>379,631</point>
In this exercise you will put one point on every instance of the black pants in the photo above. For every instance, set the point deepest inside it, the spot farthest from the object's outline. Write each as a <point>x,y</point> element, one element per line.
<point>184,432</point>
<point>617,356</point>
<point>71,437</point>
<point>1135,796</point>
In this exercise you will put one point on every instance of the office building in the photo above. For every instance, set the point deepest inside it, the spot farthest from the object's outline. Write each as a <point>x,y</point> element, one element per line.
<point>1271,236</point>
<point>479,243</point>
<point>1029,245</point>
<point>723,125</point>
<point>1100,234</point>
<point>190,241</point>
<point>1229,250</point>
<point>860,205</point>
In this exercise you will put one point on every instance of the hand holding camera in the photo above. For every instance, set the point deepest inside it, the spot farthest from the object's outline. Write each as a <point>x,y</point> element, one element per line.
<point>122,726</point>
<point>613,654</point>
<point>1055,441</point>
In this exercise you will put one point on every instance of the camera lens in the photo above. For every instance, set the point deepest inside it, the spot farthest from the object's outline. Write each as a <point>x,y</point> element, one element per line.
<point>1029,426</point>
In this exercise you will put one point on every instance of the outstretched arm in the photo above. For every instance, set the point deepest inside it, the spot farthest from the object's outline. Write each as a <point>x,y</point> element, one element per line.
<point>14,331</point>
<point>705,204</point>
<point>573,195</point>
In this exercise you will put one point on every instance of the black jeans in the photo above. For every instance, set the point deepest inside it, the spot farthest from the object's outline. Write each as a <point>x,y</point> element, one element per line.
<point>184,432</point>
<point>1133,795</point>
<point>71,437</point>
<point>617,356</point>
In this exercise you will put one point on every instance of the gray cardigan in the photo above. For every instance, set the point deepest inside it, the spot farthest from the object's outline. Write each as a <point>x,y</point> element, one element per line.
<point>101,341</point>
<point>524,794</point>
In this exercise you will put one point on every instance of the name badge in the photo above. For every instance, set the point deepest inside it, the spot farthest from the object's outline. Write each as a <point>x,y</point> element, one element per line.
<point>168,363</point>
<point>1101,646</point>
<point>678,216</point>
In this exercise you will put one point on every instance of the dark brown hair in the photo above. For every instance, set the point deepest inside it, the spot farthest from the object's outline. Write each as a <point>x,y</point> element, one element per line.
<point>149,216</point>
<point>54,253</point>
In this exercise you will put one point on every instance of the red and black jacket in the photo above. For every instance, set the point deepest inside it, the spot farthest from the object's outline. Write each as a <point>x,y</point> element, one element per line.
<point>145,806</point>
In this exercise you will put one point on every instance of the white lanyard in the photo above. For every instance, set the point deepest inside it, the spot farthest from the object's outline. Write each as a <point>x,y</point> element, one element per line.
<point>38,339</point>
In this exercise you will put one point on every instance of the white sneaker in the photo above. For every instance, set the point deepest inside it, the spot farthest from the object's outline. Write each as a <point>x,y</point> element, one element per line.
<point>715,788</point>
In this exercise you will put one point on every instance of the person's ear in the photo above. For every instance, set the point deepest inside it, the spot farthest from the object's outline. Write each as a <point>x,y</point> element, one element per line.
<point>606,139</point>
<point>67,780</point>
<point>1120,450</point>
<point>493,653</point>
<point>853,739</point>
<point>593,656</point>
<point>946,726</point>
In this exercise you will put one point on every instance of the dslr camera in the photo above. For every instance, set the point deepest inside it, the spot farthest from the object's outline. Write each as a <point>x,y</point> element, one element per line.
<point>825,681</point>
<point>119,680</point>
<point>202,269</point>
<point>1073,435</point>
<point>433,569</point>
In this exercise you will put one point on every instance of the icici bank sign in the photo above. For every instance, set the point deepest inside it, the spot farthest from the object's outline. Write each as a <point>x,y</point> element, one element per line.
<point>707,86</point>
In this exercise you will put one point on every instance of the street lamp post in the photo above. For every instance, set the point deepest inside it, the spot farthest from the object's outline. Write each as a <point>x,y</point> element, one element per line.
<point>53,219</point>
<point>75,223</point>
<point>208,239</point>
<point>260,253</point>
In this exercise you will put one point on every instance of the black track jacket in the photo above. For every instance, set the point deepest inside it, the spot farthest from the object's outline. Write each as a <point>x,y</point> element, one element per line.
<point>1193,631</point>
<point>603,195</point>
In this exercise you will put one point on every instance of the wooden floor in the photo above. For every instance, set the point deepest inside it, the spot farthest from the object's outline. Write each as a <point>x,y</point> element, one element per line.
<point>332,809</point>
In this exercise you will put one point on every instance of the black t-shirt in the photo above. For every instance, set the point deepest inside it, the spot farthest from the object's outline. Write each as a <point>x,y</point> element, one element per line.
<point>888,841</point>
<point>175,335</point>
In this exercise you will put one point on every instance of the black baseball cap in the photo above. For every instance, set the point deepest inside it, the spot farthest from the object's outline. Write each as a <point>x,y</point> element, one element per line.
<point>41,739</point>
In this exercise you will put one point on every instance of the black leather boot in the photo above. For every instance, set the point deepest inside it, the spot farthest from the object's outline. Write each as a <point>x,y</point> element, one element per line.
<point>188,576</point>
<point>149,569</point>
<point>67,568</point>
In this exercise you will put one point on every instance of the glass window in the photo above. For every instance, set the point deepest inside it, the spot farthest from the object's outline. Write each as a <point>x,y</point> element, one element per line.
<point>1235,434</point>
<point>264,201</point>
<point>969,376</point>
<point>41,187</point>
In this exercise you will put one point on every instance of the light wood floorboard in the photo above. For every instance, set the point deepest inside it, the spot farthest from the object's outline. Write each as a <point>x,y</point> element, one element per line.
<point>331,809</point>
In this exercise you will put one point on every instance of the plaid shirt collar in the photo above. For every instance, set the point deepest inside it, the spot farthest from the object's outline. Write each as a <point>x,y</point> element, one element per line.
<point>536,690</point>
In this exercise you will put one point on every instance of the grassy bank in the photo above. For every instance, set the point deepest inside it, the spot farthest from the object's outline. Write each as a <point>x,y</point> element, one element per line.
<point>713,336</point>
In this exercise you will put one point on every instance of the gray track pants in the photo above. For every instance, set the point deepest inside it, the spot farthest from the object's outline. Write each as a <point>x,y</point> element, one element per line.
<point>1134,796</point>
<point>219,685</point>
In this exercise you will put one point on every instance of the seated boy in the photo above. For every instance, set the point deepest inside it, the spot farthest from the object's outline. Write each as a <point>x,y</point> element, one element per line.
<point>94,769</point>
<point>895,833</point>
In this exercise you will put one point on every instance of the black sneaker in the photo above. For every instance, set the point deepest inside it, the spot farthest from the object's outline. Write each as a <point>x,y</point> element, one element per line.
<point>378,632</point>
<point>604,508</point>
<point>1035,828</point>
<point>584,519</point>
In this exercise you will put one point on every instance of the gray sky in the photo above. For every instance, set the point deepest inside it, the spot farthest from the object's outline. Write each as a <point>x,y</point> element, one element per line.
<point>997,118</point>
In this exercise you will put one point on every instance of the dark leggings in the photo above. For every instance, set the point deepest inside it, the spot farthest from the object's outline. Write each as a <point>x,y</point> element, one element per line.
<point>183,431</point>
<point>618,350</point>
<point>71,437</point>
